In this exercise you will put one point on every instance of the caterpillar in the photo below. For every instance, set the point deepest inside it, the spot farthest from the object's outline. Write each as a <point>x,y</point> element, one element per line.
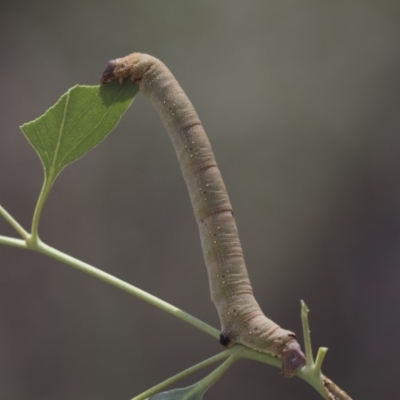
<point>242,320</point>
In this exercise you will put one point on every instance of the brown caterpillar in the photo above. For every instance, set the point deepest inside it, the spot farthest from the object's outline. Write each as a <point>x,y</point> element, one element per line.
<point>241,317</point>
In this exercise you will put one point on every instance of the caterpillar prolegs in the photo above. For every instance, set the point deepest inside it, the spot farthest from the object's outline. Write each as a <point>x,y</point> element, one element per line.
<point>241,317</point>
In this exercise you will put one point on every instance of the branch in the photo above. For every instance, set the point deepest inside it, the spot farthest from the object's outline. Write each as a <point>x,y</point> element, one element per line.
<point>9,241</point>
<point>312,373</point>
<point>24,234</point>
<point>120,284</point>
<point>168,382</point>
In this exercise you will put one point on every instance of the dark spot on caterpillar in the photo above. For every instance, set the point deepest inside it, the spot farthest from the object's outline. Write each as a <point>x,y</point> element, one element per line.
<point>108,74</point>
<point>224,339</point>
<point>222,276</point>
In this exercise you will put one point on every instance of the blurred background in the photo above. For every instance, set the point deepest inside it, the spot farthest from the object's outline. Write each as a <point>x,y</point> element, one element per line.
<point>300,101</point>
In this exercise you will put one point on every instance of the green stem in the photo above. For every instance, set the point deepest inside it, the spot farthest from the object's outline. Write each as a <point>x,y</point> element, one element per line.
<point>306,334</point>
<point>9,241</point>
<point>24,234</point>
<point>311,373</point>
<point>120,284</point>
<point>320,358</point>
<point>246,352</point>
<point>163,385</point>
<point>210,379</point>
<point>314,378</point>
<point>39,208</point>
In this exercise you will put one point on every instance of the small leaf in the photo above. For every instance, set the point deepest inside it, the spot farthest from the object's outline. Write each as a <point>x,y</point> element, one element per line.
<point>194,392</point>
<point>80,120</point>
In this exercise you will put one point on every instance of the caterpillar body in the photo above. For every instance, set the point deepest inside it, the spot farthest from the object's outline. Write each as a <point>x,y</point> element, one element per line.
<point>242,320</point>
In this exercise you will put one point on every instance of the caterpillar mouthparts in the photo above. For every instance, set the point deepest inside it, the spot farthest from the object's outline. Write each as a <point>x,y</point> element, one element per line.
<point>108,74</point>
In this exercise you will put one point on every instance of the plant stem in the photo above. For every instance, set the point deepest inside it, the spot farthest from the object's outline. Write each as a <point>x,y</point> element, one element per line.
<point>163,385</point>
<point>306,334</point>
<point>24,234</point>
<point>9,241</point>
<point>210,379</point>
<point>320,357</point>
<point>38,209</point>
<point>246,352</point>
<point>120,284</point>
<point>311,373</point>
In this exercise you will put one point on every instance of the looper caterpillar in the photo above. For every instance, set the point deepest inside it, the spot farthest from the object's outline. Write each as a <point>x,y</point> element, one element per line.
<point>241,317</point>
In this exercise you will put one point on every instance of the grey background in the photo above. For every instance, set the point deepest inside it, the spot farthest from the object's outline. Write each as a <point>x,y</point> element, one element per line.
<point>300,100</point>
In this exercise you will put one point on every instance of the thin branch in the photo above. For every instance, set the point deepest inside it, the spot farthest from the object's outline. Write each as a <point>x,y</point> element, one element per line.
<point>38,210</point>
<point>312,373</point>
<point>214,376</point>
<point>24,234</point>
<point>168,382</point>
<point>306,334</point>
<point>9,241</point>
<point>320,357</point>
<point>246,352</point>
<point>141,294</point>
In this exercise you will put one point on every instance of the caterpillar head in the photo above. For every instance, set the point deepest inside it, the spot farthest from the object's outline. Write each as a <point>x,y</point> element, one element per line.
<point>122,68</point>
<point>109,72</point>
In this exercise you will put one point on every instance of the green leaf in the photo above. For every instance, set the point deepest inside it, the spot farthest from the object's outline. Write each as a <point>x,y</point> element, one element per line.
<point>194,392</point>
<point>80,120</point>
